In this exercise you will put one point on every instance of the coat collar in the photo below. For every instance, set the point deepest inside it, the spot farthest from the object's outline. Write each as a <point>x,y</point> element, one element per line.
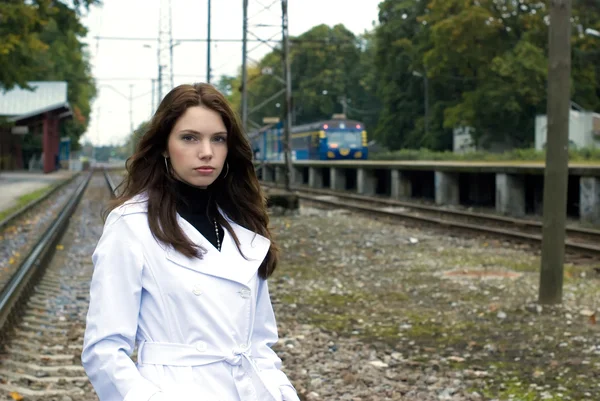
<point>228,264</point>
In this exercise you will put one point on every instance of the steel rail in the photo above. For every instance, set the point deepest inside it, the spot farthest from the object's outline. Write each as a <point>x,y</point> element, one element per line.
<point>583,248</point>
<point>13,216</point>
<point>110,183</point>
<point>22,282</point>
<point>435,209</point>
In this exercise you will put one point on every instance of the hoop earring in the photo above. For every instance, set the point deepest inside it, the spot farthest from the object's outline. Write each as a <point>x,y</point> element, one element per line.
<point>227,171</point>
<point>166,165</point>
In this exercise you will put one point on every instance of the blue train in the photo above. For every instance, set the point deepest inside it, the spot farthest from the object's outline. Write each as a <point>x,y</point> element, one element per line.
<point>335,139</point>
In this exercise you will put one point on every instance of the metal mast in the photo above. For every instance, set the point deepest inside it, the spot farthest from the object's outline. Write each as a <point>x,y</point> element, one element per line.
<point>208,44</point>
<point>287,72</point>
<point>262,23</point>
<point>165,49</point>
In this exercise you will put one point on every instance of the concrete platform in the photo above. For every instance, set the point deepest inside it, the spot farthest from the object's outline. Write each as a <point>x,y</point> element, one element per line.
<point>14,184</point>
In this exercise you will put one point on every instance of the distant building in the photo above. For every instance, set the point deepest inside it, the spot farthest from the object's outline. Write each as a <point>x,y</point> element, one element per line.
<point>30,125</point>
<point>584,130</point>
<point>463,142</point>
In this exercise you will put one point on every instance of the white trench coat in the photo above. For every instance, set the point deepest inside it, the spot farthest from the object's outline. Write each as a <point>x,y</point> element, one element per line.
<point>204,327</point>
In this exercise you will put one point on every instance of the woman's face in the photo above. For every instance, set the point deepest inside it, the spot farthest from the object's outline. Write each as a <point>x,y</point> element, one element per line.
<point>197,146</point>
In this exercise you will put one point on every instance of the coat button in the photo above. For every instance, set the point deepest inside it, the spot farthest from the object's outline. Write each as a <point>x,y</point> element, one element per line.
<point>201,346</point>
<point>245,293</point>
<point>197,290</point>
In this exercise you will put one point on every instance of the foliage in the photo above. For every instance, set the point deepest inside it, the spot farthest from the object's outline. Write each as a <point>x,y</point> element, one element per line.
<point>123,151</point>
<point>486,65</point>
<point>483,63</point>
<point>396,67</point>
<point>591,155</point>
<point>331,72</point>
<point>40,40</point>
<point>131,143</point>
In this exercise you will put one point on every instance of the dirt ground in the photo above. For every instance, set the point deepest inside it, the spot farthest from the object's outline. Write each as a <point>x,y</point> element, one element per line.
<point>374,310</point>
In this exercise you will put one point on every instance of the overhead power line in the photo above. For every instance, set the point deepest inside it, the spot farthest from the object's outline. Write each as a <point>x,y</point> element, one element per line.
<point>291,39</point>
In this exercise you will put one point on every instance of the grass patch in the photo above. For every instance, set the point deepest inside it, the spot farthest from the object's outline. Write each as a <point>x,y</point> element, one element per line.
<point>521,389</point>
<point>26,199</point>
<point>485,258</point>
<point>584,156</point>
<point>351,312</point>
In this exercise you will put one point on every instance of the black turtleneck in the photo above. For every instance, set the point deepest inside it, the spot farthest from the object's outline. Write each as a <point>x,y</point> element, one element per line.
<point>197,206</point>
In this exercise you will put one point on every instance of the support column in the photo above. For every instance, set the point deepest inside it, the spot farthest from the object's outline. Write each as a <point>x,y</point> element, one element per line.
<point>401,186</point>
<point>589,199</point>
<point>264,172</point>
<point>56,142</point>
<point>446,188</point>
<point>337,178</point>
<point>48,144</point>
<point>315,180</point>
<point>270,173</point>
<point>298,176</point>
<point>279,174</point>
<point>365,181</point>
<point>510,194</point>
<point>18,163</point>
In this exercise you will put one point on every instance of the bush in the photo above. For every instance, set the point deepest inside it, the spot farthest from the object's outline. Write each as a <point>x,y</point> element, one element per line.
<point>575,155</point>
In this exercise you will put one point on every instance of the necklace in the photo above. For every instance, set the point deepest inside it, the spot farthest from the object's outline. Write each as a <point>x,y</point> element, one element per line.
<point>217,234</point>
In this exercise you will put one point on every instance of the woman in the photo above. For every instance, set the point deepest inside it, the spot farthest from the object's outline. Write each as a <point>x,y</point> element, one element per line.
<point>182,264</point>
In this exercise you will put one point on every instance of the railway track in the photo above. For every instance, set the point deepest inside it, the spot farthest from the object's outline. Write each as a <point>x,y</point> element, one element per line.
<point>582,241</point>
<point>44,304</point>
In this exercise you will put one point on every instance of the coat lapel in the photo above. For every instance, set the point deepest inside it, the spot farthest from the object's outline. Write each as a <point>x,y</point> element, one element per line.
<point>228,264</point>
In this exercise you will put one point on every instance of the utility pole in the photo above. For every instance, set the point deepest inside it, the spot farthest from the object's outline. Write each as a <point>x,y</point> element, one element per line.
<point>171,46</point>
<point>160,86</point>
<point>426,88</point>
<point>208,48</point>
<point>287,128</point>
<point>131,117</point>
<point>153,90</point>
<point>261,21</point>
<point>97,135</point>
<point>165,49</point>
<point>557,156</point>
<point>344,102</point>
<point>245,67</point>
<point>425,96</point>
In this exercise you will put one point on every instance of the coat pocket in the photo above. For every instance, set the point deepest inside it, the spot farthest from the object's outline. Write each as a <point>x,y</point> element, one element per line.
<point>272,385</point>
<point>152,373</point>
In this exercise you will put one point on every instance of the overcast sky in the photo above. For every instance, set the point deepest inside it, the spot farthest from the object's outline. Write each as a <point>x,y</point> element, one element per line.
<point>117,64</point>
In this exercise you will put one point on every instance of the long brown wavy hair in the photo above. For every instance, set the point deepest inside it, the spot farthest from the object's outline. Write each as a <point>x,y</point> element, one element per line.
<point>238,192</point>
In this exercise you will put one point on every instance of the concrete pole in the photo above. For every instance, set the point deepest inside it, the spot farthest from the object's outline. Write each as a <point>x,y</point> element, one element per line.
<point>557,155</point>
<point>287,128</point>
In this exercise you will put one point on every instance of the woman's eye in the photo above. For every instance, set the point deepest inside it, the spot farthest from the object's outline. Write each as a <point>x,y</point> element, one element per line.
<point>220,139</point>
<point>188,138</point>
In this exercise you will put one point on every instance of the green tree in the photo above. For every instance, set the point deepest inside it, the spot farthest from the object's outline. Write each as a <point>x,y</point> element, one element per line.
<point>19,40</point>
<point>486,65</point>
<point>324,65</point>
<point>328,68</point>
<point>132,141</point>
<point>41,40</point>
<point>397,56</point>
<point>66,59</point>
<point>363,103</point>
<point>586,56</point>
<point>500,53</point>
<point>22,23</point>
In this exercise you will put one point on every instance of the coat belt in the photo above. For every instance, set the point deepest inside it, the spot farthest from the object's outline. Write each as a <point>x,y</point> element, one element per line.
<point>245,372</point>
